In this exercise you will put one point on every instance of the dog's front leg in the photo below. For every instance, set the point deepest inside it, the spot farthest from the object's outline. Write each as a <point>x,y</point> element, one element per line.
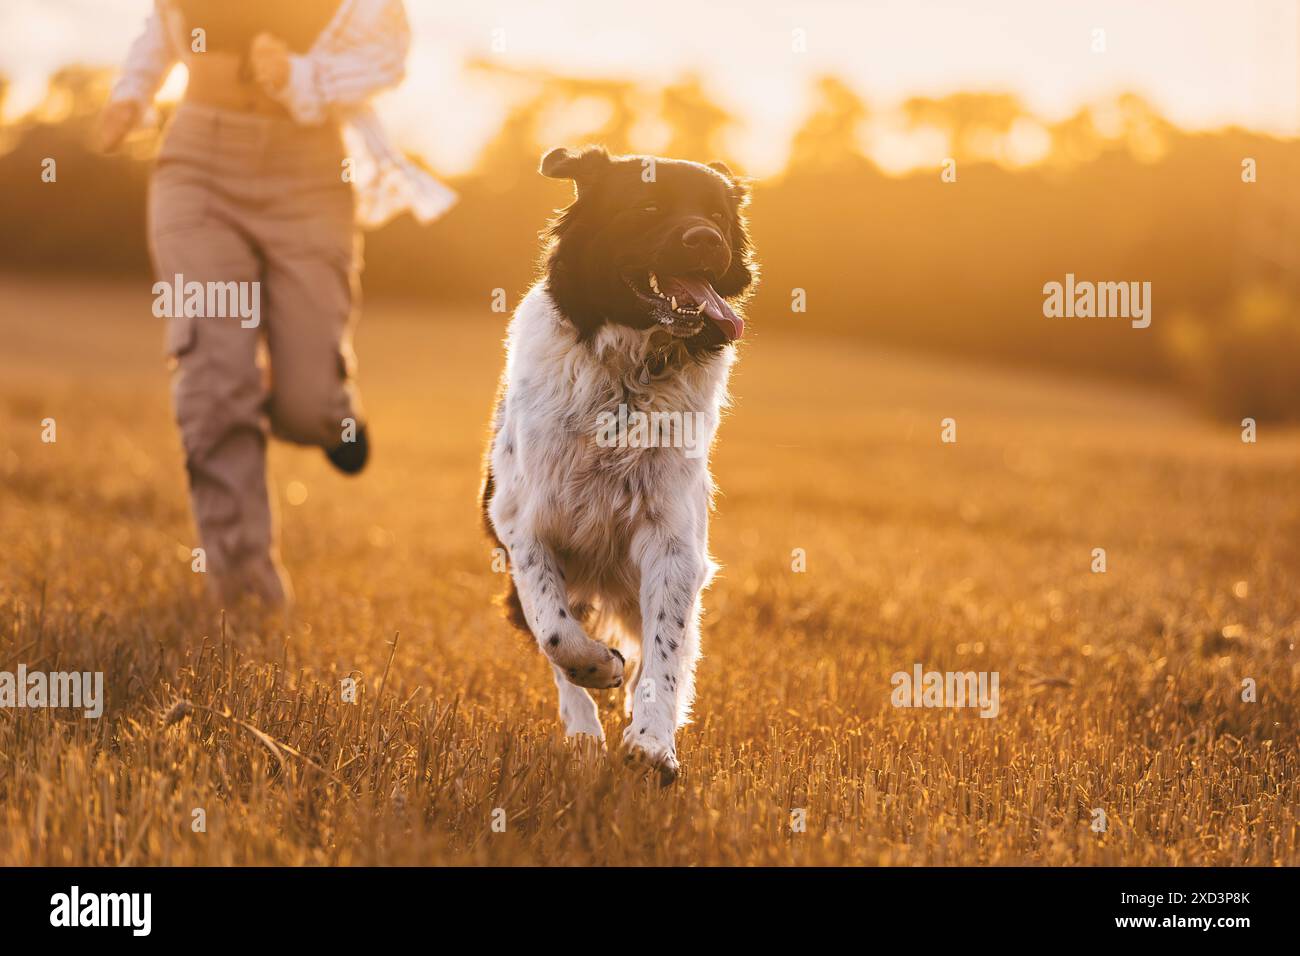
<point>544,597</point>
<point>673,572</point>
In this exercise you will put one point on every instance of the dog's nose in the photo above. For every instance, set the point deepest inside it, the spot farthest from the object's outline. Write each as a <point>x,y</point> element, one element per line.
<point>702,237</point>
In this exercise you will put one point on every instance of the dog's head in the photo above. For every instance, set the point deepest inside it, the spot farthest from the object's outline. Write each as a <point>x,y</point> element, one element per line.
<point>650,243</point>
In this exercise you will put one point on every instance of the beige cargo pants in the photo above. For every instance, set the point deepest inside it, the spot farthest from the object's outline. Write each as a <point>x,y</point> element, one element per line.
<point>254,199</point>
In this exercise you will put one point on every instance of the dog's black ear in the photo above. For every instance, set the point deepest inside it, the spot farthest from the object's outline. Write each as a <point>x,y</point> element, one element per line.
<point>739,187</point>
<point>582,166</point>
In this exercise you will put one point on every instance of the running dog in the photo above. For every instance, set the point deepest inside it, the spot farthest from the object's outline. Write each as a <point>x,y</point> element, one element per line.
<point>596,481</point>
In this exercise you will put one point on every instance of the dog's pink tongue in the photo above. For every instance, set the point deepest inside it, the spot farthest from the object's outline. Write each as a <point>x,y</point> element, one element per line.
<point>713,305</point>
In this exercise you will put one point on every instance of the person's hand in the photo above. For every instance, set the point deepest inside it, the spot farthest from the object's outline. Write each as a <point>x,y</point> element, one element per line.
<point>269,57</point>
<point>116,120</point>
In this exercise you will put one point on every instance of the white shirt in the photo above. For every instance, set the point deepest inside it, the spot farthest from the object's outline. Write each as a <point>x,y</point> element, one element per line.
<point>361,51</point>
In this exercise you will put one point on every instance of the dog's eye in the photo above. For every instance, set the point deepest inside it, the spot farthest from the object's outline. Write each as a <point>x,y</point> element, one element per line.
<point>719,217</point>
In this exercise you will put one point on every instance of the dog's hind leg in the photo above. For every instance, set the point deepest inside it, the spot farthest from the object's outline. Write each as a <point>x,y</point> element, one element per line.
<point>619,625</point>
<point>577,709</point>
<point>632,676</point>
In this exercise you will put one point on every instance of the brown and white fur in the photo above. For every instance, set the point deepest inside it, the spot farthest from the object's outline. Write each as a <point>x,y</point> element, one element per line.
<point>608,546</point>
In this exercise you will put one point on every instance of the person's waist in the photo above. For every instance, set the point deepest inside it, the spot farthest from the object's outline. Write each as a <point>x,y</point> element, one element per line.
<point>223,81</point>
<point>210,135</point>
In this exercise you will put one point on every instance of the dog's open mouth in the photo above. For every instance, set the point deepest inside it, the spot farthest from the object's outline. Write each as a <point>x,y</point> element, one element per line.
<point>683,303</point>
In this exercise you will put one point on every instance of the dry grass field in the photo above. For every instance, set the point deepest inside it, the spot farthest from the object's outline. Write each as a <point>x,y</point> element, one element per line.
<point>1119,691</point>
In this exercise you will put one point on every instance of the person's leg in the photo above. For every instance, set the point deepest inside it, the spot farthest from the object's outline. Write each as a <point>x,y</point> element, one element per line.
<point>218,388</point>
<point>313,287</point>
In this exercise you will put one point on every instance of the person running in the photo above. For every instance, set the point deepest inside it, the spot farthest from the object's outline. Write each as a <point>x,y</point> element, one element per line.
<point>253,186</point>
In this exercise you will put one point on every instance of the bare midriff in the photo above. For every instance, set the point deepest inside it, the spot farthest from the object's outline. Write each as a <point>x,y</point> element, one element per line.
<point>217,80</point>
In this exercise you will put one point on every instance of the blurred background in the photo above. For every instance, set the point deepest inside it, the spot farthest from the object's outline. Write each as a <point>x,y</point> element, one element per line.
<point>1104,139</point>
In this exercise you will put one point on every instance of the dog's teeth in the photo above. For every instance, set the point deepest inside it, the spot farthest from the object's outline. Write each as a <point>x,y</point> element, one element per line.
<point>654,282</point>
<point>673,302</point>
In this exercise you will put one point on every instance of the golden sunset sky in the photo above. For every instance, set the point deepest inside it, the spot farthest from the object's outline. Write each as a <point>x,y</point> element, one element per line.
<point>1203,63</point>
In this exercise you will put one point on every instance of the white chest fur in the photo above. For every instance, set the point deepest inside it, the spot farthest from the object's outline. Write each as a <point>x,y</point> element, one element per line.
<point>593,447</point>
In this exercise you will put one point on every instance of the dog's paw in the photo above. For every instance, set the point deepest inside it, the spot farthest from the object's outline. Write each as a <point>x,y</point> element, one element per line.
<point>595,666</point>
<point>643,749</point>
